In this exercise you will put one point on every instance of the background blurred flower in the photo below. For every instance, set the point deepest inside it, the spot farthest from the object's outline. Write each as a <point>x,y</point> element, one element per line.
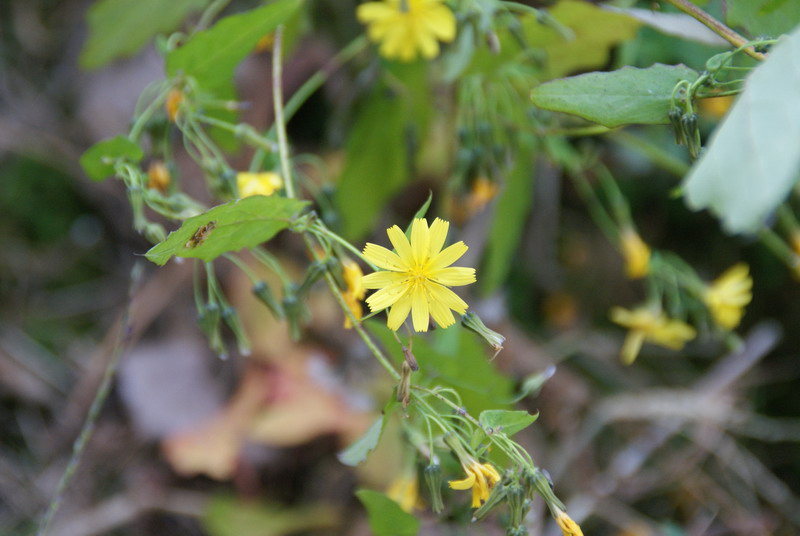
<point>645,324</point>
<point>265,183</point>
<point>728,295</point>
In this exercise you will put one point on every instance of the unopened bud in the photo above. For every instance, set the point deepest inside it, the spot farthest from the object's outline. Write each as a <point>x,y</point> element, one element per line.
<point>473,322</point>
<point>537,481</point>
<point>404,387</point>
<point>293,311</point>
<point>208,319</point>
<point>315,271</point>
<point>433,479</point>
<point>498,495</point>
<point>265,296</point>
<point>231,317</point>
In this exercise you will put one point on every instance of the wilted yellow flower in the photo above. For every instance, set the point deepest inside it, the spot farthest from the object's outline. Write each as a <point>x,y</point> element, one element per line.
<point>645,324</point>
<point>416,277</point>
<point>481,477</point>
<point>728,295</point>
<point>352,274</point>
<point>405,492</point>
<point>716,107</point>
<point>406,28</point>
<point>264,183</point>
<point>173,103</point>
<point>567,524</point>
<point>636,253</point>
<point>158,177</point>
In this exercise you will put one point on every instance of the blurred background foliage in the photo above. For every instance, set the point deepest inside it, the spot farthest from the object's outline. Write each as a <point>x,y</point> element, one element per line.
<point>702,441</point>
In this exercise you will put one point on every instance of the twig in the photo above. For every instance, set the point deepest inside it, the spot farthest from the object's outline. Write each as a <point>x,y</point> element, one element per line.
<point>277,101</point>
<point>122,338</point>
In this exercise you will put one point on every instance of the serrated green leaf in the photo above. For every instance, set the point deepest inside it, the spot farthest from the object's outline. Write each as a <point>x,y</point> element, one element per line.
<point>753,158</point>
<point>243,223</point>
<point>357,452</point>
<point>764,17</point>
<point>119,28</point>
<point>211,56</point>
<point>386,518</point>
<point>626,96</point>
<point>375,167</point>
<point>98,161</point>
<point>455,358</point>
<point>505,421</point>
<point>510,216</point>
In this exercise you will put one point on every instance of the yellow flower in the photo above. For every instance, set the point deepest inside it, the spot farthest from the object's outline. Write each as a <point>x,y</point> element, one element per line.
<point>481,477</point>
<point>265,183</point>
<point>644,324</point>
<point>636,253</point>
<point>173,103</point>
<point>352,274</point>
<point>158,177</point>
<point>728,295</point>
<point>405,492</point>
<point>406,28</point>
<point>416,277</point>
<point>567,525</point>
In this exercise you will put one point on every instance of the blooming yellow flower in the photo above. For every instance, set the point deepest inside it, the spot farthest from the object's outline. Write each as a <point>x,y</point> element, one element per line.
<point>645,324</point>
<point>728,295</point>
<point>636,253</point>
<point>567,524</point>
<point>481,477</point>
<point>416,277</point>
<point>265,183</point>
<point>352,274</point>
<point>405,492</point>
<point>406,28</point>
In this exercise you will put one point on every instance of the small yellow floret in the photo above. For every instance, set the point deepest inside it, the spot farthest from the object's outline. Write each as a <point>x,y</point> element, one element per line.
<point>158,177</point>
<point>728,295</point>
<point>647,325</point>
<point>408,28</point>
<point>416,276</point>
<point>352,274</point>
<point>481,477</point>
<point>264,183</point>
<point>567,524</point>
<point>636,253</point>
<point>173,103</point>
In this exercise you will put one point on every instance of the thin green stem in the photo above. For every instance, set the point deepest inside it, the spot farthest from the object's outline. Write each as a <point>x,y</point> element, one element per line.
<point>655,153</point>
<point>280,121</point>
<point>210,13</point>
<point>717,27</point>
<point>141,121</point>
<point>78,447</point>
<point>243,267</point>
<point>327,233</point>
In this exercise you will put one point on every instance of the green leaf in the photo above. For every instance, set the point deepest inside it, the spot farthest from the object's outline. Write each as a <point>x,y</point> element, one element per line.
<point>510,216</point>
<point>505,421</point>
<point>616,98</point>
<point>243,223</point>
<point>764,17</point>
<point>386,518</point>
<point>455,358</point>
<point>753,158</point>
<point>228,516</point>
<point>596,32</point>
<point>376,166</point>
<point>358,451</point>
<point>211,56</point>
<point>119,28</point>
<point>98,161</point>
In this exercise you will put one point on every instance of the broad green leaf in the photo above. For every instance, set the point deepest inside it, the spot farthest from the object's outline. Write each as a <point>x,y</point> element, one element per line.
<point>211,56</point>
<point>510,216</point>
<point>596,32</point>
<point>455,358</point>
<point>626,96</point>
<point>243,223</point>
<point>752,160</point>
<point>376,166</point>
<point>358,451</point>
<point>119,28</point>
<point>506,421</point>
<point>229,516</point>
<point>98,161</point>
<point>386,518</point>
<point>764,17</point>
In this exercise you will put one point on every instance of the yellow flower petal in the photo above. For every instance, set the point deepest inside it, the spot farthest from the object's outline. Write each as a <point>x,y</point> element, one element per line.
<point>463,484</point>
<point>448,256</point>
<point>384,258</point>
<point>419,309</point>
<point>382,279</point>
<point>441,22</point>
<point>448,298</point>
<point>631,347</point>
<point>438,230</point>
<point>401,245</point>
<point>454,276</point>
<point>386,297</point>
<point>399,312</point>
<point>441,313</point>
<point>420,240</point>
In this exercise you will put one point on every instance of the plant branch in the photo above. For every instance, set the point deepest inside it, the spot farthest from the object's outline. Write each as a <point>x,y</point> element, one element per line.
<point>716,26</point>
<point>280,121</point>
